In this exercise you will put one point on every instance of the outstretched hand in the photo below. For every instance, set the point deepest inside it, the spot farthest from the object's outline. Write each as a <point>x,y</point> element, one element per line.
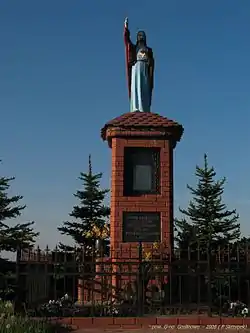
<point>126,23</point>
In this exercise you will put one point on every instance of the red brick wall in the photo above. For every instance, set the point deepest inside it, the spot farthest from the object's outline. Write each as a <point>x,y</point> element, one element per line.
<point>188,324</point>
<point>162,203</point>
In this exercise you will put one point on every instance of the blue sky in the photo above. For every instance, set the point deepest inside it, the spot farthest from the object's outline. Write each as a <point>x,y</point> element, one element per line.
<point>62,77</point>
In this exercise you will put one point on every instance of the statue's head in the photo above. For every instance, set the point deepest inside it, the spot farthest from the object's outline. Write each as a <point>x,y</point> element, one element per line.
<point>141,37</point>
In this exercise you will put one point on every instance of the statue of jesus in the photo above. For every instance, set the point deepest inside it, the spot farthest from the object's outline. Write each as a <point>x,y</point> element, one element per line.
<point>140,71</point>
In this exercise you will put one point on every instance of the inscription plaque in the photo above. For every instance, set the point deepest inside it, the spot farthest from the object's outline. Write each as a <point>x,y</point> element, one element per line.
<point>141,227</point>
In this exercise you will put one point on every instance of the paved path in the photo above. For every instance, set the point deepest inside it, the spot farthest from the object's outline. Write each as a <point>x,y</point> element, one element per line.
<point>119,330</point>
<point>150,330</point>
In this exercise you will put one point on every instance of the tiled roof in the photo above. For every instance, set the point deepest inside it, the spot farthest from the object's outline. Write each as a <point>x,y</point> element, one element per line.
<point>139,120</point>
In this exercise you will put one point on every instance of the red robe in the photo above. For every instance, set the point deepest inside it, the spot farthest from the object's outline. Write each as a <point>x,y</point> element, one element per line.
<point>130,54</point>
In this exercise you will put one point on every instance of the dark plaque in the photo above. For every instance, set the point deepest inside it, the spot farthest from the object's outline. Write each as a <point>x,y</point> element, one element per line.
<point>141,227</point>
<point>141,171</point>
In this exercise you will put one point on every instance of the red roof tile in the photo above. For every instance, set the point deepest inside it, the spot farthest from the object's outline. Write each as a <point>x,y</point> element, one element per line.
<point>139,120</point>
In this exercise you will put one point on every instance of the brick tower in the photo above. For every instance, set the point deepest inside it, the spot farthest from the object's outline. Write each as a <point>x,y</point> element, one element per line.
<point>142,146</point>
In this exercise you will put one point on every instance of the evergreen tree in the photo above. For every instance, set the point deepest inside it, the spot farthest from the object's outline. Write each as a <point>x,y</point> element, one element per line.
<point>20,235</point>
<point>207,226</point>
<point>12,238</point>
<point>207,220</point>
<point>91,210</point>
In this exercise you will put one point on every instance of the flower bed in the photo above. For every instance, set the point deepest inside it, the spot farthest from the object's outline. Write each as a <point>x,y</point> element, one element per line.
<point>65,307</point>
<point>11,323</point>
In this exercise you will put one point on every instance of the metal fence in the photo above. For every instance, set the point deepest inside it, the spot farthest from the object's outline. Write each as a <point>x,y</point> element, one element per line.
<point>151,281</point>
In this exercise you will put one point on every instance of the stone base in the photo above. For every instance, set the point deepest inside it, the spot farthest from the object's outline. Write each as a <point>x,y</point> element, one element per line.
<point>159,324</point>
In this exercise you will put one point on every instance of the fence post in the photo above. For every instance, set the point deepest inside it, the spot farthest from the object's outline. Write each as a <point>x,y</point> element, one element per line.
<point>18,301</point>
<point>140,297</point>
<point>81,278</point>
<point>210,298</point>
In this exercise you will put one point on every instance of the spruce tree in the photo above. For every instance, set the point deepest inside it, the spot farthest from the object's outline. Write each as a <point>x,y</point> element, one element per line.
<point>12,238</point>
<point>90,211</point>
<point>19,235</point>
<point>207,226</point>
<point>207,220</point>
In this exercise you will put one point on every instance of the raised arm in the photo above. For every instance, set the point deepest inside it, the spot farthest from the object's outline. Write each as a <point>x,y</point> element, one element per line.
<point>128,47</point>
<point>126,33</point>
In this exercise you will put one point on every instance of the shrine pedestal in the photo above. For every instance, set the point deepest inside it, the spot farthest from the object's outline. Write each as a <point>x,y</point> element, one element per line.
<point>142,146</point>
